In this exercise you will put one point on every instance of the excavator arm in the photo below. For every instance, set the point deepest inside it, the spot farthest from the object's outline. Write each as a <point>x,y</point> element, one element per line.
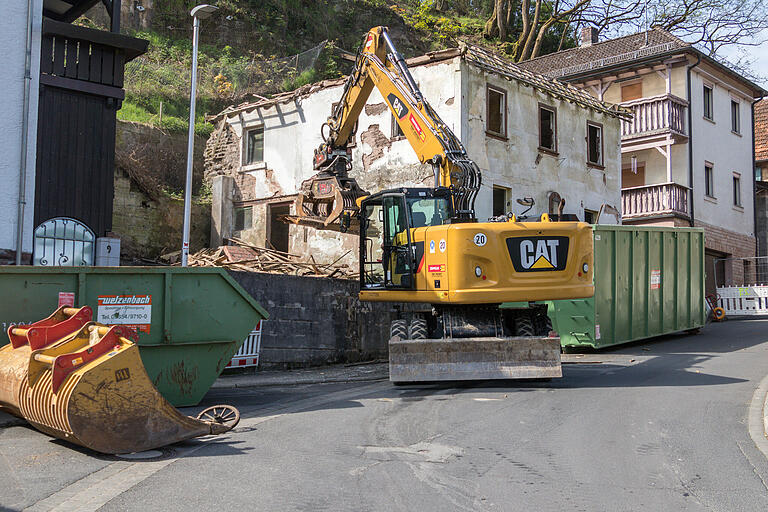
<point>330,199</point>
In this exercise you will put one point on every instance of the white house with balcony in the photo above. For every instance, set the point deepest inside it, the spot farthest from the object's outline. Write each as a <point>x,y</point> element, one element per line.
<point>687,154</point>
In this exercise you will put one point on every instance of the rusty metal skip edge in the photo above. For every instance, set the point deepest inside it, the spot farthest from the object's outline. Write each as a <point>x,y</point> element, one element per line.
<point>90,388</point>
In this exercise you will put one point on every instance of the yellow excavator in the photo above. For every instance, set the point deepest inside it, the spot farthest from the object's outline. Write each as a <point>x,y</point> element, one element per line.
<point>425,248</point>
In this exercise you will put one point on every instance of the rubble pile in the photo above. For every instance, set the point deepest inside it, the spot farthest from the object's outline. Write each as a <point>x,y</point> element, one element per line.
<point>250,258</point>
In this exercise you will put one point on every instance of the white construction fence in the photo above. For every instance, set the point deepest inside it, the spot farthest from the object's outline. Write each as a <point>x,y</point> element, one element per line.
<point>248,355</point>
<point>742,286</point>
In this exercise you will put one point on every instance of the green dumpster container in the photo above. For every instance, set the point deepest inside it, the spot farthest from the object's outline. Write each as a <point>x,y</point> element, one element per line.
<point>649,281</point>
<point>191,321</point>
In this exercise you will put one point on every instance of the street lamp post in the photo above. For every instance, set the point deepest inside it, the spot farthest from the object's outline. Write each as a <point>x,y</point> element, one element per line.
<point>198,13</point>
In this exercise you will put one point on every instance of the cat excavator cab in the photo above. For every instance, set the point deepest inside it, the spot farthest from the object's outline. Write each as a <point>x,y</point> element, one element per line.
<point>424,247</point>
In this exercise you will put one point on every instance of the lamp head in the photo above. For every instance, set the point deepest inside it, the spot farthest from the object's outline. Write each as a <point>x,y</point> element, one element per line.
<point>203,11</point>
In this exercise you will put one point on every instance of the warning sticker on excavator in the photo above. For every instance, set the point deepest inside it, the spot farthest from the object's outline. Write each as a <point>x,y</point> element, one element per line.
<point>417,127</point>
<point>436,268</point>
<point>130,310</point>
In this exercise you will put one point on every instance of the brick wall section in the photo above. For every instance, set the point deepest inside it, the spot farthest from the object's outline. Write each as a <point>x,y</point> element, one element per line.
<point>222,152</point>
<point>733,245</point>
<point>761,132</point>
<point>316,321</point>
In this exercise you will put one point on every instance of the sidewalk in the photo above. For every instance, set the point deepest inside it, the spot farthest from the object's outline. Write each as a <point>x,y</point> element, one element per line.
<point>323,374</point>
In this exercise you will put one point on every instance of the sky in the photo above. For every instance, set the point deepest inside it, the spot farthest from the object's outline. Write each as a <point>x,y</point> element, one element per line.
<point>760,56</point>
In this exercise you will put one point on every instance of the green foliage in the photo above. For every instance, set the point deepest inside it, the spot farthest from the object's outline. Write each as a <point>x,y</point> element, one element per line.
<point>425,18</point>
<point>243,43</point>
<point>295,81</point>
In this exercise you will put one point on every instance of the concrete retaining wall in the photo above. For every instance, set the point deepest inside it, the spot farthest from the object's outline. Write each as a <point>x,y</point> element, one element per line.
<point>316,321</point>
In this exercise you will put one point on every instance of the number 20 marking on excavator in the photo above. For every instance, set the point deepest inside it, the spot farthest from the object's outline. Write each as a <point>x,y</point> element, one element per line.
<point>480,239</point>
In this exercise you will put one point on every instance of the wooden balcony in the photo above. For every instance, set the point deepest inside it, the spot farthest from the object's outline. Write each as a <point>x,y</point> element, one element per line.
<point>657,115</point>
<point>661,200</point>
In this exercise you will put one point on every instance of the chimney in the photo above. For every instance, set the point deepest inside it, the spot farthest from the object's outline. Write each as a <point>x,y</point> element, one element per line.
<point>588,36</point>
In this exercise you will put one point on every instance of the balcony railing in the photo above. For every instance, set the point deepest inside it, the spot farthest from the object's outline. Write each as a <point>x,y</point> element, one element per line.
<point>654,115</point>
<point>652,200</point>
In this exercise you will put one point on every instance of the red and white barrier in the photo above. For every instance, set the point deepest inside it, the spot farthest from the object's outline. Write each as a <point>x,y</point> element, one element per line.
<point>248,355</point>
<point>743,300</point>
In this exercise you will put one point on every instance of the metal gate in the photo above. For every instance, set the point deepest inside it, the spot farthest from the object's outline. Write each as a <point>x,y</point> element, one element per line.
<point>63,242</point>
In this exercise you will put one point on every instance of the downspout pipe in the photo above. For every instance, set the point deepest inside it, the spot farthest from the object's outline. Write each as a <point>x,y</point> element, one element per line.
<point>690,133</point>
<point>24,136</point>
<point>754,178</point>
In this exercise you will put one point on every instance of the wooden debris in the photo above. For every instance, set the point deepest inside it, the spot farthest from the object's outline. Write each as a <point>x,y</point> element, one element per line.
<point>241,255</point>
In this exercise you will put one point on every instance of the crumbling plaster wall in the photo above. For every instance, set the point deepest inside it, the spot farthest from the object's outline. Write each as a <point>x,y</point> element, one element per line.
<point>517,164</point>
<point>292,133</point>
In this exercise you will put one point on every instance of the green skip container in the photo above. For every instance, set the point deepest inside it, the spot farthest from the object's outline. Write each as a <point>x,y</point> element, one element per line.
<point>649,281</point>
<point>191,321</point>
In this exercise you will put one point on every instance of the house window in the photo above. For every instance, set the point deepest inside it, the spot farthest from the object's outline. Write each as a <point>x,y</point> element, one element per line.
<point>590,216</point>
<point>735,117</point>
<point>243,218</point>
<point>547,128</point>
<point>708,102</point>
<point>499,201</point>
<point>497,112</point>
<point>632,91</point>
<point>709,183</point>
<point>736,189</point>
<point>594,144</point>
<point>254,146</point>
<point>397,132</point>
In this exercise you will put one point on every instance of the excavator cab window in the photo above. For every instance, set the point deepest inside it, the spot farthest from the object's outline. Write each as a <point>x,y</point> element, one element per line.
<point>428,211</point>
<point>387,254</point>
<point>387,260</point>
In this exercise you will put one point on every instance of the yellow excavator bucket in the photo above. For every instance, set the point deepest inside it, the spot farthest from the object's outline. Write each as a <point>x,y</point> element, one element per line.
<point>90,387</point>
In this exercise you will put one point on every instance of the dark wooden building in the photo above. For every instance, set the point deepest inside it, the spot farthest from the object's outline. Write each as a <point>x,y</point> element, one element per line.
<point>81,90</point>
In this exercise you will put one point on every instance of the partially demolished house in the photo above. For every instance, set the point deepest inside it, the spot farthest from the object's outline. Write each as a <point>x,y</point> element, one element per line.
<point>531,137</point>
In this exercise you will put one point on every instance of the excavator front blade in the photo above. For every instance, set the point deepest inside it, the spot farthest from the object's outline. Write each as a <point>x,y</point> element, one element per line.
<point>474,359</point>
<point>90,388</point>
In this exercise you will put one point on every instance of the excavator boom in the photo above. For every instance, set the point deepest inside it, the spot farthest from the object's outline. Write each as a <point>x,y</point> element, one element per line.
<point>330,198</point>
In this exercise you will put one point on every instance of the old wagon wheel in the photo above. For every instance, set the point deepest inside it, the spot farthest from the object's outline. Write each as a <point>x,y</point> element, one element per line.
<point>222,415</point>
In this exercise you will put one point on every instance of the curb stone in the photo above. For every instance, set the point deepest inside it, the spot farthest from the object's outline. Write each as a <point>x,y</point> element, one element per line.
<point>758,417</point>
<point>320,375</point>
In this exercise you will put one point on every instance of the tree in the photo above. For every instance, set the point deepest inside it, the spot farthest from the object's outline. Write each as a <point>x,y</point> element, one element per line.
<point>531,21</point>
<point>711,24</point>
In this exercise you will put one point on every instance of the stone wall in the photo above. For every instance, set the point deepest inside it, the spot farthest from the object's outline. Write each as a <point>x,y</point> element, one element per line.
<point>149,162</point>
<point>150,227</point>
<point>316,321</point>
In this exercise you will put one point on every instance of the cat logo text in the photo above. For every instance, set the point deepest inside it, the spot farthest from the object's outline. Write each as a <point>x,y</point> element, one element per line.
<point>538,253</point>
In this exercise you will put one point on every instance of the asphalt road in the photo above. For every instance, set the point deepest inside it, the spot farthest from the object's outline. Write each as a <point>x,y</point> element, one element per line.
<point>654,426</point>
